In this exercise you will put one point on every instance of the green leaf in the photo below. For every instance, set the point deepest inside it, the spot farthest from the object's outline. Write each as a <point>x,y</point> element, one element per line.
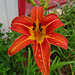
<point>0,25</point>
<point>60,64</point>
<point>54,60</point>
<point>1,41</point>
<point>42,2</point>
<point>9,34</point>
<point>1,34</point>
<point>14,73</point>
<point>7,69</point>
<point>29,60</point>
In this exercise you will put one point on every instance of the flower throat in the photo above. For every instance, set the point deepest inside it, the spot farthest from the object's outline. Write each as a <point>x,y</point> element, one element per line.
<point>37,32</point>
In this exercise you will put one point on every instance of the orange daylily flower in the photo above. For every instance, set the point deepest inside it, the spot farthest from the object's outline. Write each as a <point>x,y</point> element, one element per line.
<point>39,31</point>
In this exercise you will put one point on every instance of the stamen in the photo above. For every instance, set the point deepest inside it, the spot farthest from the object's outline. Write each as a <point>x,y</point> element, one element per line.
<point>34,26</point>
<point>40,26</point>
<point>41,29</point>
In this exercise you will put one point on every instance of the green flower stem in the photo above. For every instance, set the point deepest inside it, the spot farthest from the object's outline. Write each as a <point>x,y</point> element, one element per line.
<point>32,2</point>
<point>46,4</point>
<point>29,59</point>
<point>21,63</point>
<point>4,71</point>
<point>12,60</point>
<point>42,2</point>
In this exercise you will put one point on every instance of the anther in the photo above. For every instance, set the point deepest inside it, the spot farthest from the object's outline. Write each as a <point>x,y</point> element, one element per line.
<point>34,25</point>
<point>41,29</point>
<point>40,26</point>
<point>33,28</point>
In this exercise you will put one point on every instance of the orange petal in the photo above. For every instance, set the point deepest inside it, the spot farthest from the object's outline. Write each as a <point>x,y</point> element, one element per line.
<point>21,28</point>
<point>51,22</point>
<point>18,44</point>
<point>37,13</point>
<point>58,40</point>
<point>51,27</point>
<point>23,20</point>
<point>13,21</point>
<point>42,56</point>
<point>48,19</point>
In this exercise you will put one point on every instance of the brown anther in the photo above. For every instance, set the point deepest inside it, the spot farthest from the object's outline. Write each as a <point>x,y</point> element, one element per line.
<point>40,26</point>
<point>41,29</point>
<point>34,26</point>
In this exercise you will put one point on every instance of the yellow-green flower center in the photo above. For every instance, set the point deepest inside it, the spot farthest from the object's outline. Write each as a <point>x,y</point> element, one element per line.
<point>37,33</point>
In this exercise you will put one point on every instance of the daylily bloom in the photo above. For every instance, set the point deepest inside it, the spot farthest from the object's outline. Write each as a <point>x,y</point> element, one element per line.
<point>39,31</point>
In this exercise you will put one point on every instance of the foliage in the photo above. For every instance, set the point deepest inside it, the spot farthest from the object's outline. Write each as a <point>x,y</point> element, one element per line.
<point>59,57</point>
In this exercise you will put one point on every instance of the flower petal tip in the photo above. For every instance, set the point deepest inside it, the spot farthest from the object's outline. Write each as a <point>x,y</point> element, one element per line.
<point>9,27</point>
<point>66,47</point>
<point>62,25</point>
<point>9,53</point>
